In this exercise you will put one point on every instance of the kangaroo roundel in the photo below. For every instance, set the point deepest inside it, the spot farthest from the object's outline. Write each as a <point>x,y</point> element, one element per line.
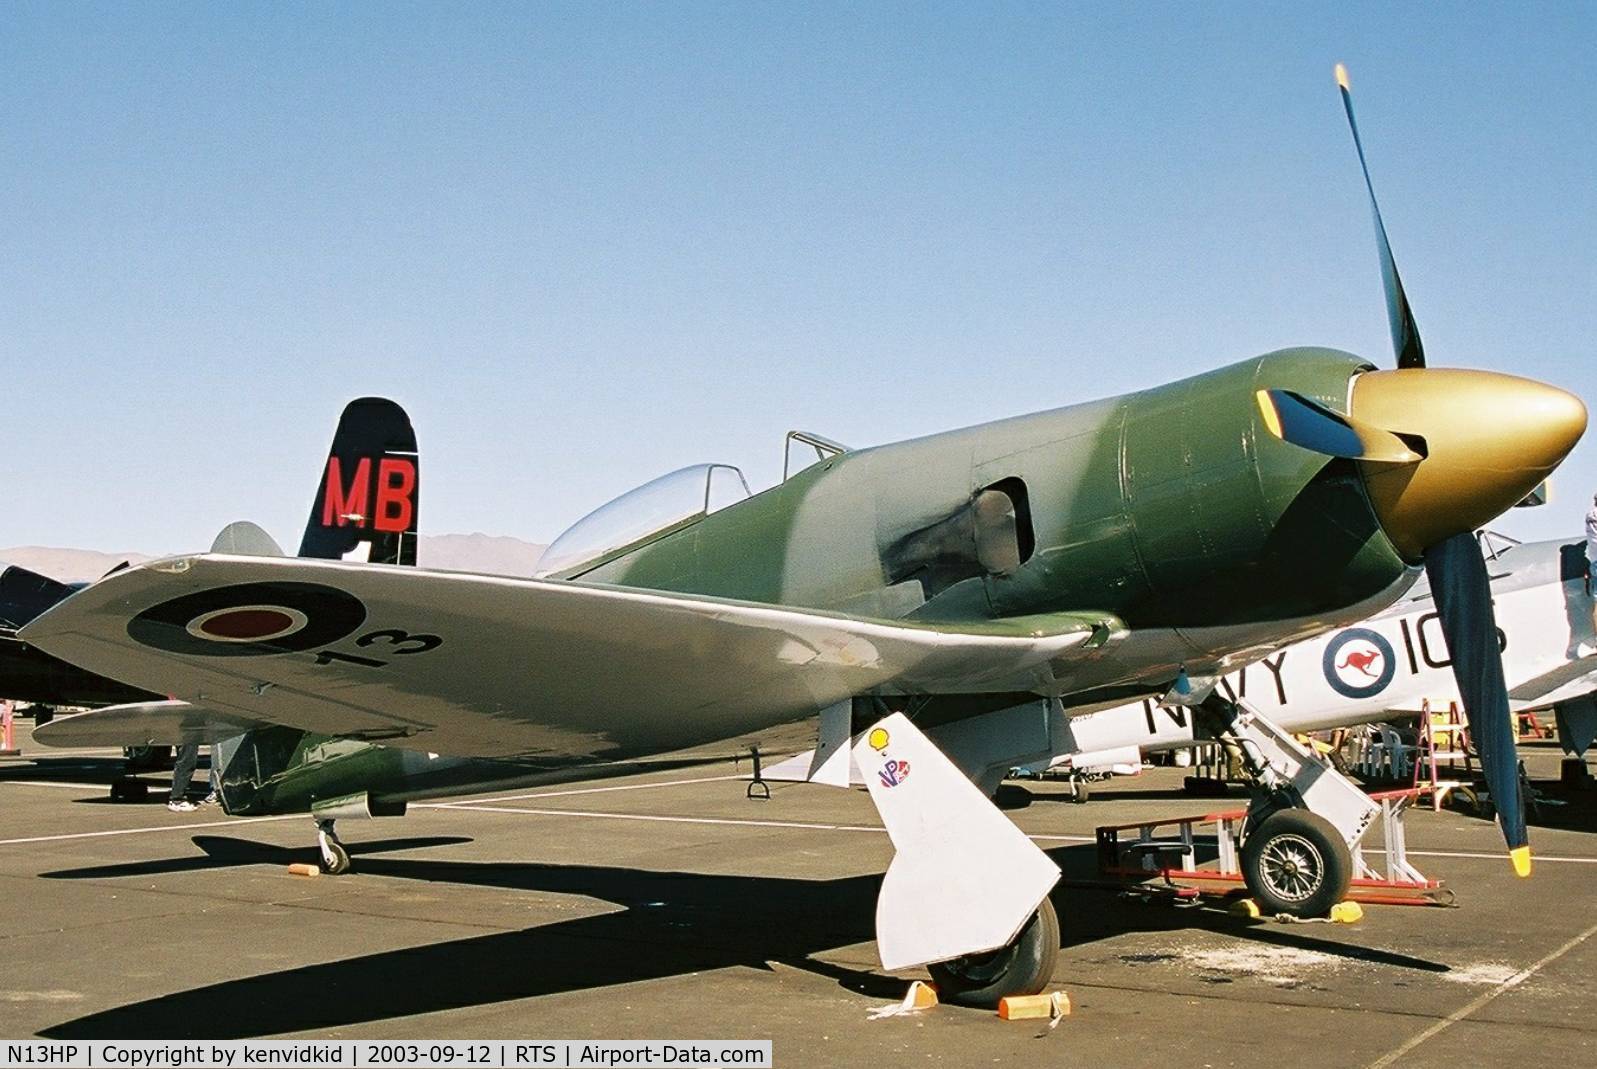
<point>1359,663</point>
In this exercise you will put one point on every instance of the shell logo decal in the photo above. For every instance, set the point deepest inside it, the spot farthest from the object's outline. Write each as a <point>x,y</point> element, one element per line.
<point>892,772</point>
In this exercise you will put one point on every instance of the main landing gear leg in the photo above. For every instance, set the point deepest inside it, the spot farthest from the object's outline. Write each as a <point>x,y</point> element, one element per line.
<point>1303,818</point>
<point>967,892</point>
<point>332,857</point>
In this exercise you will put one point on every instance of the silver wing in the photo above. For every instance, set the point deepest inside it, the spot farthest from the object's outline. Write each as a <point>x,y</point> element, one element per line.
<point>497,667</point>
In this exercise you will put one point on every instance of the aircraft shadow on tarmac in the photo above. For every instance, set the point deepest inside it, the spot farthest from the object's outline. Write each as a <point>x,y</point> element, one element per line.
<point>221,852</point>
<point>98,769</point>
<point>670,924</point>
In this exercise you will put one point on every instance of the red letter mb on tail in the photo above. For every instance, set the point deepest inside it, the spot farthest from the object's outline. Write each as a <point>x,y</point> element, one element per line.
<point>340,508</point>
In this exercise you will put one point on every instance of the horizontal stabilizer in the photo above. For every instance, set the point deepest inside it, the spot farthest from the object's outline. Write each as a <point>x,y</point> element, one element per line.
<point>144,724</point>
<point>246,539</point>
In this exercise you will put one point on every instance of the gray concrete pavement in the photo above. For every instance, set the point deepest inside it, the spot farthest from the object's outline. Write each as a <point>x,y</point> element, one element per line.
<point>671,906</point>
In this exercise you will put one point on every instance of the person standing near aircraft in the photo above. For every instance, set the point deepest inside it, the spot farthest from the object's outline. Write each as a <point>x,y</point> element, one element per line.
<point>188,756</point>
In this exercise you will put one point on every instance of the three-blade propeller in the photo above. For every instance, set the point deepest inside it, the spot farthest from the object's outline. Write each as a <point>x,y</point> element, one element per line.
<point>1458,578</point>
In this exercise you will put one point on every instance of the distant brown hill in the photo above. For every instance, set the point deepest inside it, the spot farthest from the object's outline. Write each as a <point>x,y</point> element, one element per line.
<point>67,565</point>
<point>493,554</point>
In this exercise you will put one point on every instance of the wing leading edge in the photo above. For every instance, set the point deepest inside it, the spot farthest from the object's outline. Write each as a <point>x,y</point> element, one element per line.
<point>497,667</point>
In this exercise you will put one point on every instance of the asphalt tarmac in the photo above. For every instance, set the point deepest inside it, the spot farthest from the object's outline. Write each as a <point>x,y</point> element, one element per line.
<point>671,906</point>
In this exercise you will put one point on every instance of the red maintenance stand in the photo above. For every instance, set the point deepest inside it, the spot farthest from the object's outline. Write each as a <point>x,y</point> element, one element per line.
<point>1148,853</point>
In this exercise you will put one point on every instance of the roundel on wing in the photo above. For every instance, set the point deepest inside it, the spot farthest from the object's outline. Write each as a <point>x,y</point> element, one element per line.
<point>1359,663</point>
<point>249,620</point>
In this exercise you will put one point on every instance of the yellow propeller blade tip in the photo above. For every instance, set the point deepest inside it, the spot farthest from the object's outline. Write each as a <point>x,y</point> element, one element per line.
<point>1341,77</point>
<point>1267,410</point>
<point>1520,856</point>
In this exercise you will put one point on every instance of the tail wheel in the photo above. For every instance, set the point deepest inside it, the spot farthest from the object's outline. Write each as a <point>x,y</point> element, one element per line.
<point>1024,967</point>
<point>332,858</point>
<point>1295,862</point>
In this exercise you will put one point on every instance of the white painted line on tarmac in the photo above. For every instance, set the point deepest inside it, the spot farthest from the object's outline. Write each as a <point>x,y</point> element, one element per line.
<point>54,783</point>
<point>231,823</point>
<point>477,807</point>
<point>655,818</point>
<point>1480,1000</point>
<point>596,790</point>
<point>736,822</point>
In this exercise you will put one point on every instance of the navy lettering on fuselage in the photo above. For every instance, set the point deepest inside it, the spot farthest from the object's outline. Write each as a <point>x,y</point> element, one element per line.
<point>1433,643</point>
<point>1176,713</point>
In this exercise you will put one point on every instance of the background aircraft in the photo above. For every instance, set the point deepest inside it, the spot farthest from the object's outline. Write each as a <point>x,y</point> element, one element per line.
<point>1084,555</point>
<point>1397,661</point>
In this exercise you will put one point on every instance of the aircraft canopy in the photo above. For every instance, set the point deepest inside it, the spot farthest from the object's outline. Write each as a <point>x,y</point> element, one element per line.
<point>659,505</point>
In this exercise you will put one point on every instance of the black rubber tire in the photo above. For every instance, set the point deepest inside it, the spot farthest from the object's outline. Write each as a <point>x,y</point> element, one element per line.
<point>340,862</point>
<point>1080,792</point>
<point>1296,836</point>
<point>1024,967</point>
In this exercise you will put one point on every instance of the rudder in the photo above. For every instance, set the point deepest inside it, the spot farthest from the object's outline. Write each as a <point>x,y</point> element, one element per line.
<point>369,493</point>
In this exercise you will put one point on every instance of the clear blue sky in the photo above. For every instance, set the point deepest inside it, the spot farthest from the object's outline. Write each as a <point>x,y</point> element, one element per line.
<point>588,244</point>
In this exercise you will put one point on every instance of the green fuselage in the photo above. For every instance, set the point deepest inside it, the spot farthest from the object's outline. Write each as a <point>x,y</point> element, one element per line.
<point>1171,511</point>
<point>1172,507</point>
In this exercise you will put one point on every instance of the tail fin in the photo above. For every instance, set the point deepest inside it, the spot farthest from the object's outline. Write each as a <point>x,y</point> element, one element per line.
<point>369,489</point>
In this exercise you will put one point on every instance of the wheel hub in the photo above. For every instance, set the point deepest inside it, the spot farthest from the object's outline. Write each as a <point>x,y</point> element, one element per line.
<point>1292,867</point>
<point>982,968</point>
